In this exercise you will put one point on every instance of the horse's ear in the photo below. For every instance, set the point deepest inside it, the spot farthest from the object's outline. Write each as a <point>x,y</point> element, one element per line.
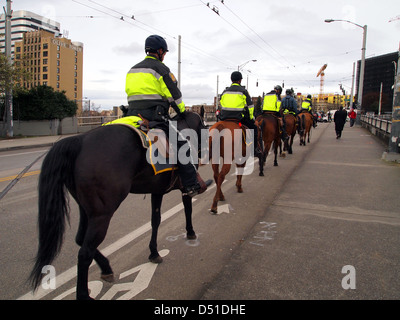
<point>124,110</point>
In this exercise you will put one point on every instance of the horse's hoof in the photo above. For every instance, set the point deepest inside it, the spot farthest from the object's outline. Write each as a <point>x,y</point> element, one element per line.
<point>214,211</point>
<point>275,164</point>
<point>261,174</point>
<point>240,190</point>
<point>107,277</point>
<point>191,236</point>
<point>283,155</point>
<point>156,260</point>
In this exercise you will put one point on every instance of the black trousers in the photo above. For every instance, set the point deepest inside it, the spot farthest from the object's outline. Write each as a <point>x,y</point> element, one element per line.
<point>187,172</point>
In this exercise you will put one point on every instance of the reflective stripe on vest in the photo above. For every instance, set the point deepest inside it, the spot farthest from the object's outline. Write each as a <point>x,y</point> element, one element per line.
<point>233,101</point>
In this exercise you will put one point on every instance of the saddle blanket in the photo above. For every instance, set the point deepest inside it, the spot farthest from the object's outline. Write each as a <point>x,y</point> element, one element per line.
<point>154,140</point>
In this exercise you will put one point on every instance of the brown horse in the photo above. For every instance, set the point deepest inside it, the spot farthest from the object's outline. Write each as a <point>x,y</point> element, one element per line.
<point>226,140</point>
<point>291,126</point>
<point>305,124</point>
<point>268,133</point>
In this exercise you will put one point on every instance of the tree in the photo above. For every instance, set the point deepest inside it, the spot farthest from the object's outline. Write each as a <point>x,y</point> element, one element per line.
<point>42,103</point>
<point>9,74</point>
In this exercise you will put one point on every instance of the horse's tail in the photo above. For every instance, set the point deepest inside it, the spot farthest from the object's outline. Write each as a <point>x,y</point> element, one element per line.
<point>303,122</point>
<point>56,174</point>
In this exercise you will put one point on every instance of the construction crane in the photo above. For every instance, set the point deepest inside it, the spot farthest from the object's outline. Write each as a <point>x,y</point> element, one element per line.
<point>321,73</point>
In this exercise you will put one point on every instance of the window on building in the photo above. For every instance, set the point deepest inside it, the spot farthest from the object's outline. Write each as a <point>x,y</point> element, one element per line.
<point>45,77</point>
<point>45,45</point>
<point>45,53</point>
<point>45,69</point>
<point>44,61</point>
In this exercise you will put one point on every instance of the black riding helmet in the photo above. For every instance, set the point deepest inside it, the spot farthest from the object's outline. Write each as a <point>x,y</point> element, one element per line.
<point>236,76</point>
<point>154,43</point>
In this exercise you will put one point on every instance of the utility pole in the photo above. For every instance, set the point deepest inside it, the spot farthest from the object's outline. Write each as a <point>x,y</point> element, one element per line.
<point>394,141</point>
<point>362,71</point>
<point>179,62</point>
<point>216,98</point>
<point>8,96</point>
<point>352,86</point>
<point>380,100</point>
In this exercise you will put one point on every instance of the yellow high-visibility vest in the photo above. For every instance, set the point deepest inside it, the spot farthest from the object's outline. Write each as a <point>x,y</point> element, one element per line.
<point>271,103</point>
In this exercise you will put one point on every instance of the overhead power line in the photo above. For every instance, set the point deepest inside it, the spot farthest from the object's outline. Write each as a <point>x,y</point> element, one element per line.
<point>132,20</point>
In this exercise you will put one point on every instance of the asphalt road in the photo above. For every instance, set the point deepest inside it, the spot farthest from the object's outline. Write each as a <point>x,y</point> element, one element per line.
<point>288,236</point>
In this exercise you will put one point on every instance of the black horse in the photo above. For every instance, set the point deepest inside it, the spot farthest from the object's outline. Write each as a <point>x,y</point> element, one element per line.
<point>99,169</point>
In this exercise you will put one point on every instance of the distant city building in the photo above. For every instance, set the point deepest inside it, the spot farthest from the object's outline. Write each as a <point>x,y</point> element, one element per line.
<point>378,70</point>
<point>52,61</point>
<point>24,21</point>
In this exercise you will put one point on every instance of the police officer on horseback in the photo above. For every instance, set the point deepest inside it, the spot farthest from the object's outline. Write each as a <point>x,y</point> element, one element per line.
<point>237,104</point>
<point>289,104</point>
<point>306,106</point>
<point>151,90</point>
<point>272,104</point>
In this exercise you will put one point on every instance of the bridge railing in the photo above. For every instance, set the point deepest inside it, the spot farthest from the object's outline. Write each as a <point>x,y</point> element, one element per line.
<point>384,124</point>
<point>95,120</point>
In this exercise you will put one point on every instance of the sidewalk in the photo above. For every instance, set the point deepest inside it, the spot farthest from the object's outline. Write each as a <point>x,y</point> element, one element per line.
<point>30,142</point>
<point>339,211</point>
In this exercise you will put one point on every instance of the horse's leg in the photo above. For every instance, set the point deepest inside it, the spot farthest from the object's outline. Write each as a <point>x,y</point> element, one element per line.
<point>215,167</point>
<point>276,143</point>
<point>94,236</point>
<point>106,271</point>
<point>291,144</point>
<point>156,200</point>
<point>261,164</point>
<point>219,196</point>
<point>187,203</point>
<point>239,178</point>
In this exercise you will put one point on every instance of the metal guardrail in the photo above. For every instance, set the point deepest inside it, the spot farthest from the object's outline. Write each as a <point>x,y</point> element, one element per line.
<point>378,123</point>
<point>95,121</point>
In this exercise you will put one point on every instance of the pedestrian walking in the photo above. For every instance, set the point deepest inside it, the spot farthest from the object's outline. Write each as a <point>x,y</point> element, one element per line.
<point>340,120</point>
<point>352,116</point>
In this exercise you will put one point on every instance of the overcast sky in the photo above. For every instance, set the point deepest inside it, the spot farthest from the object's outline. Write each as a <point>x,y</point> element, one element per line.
<point>288,38</point>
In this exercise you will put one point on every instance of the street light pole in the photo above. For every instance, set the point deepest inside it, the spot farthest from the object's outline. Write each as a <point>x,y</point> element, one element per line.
<point>362,67</point>
<point>242,65</point>
<point>362,70</point>
<point>8,91</point>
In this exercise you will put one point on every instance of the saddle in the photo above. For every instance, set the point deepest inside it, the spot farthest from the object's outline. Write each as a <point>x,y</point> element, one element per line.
<point>153,139</point>
<point>242,126</point>
<point>280,120</point>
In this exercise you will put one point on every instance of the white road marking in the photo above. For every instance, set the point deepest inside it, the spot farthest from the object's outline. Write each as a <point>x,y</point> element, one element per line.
<point>71,273</point>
